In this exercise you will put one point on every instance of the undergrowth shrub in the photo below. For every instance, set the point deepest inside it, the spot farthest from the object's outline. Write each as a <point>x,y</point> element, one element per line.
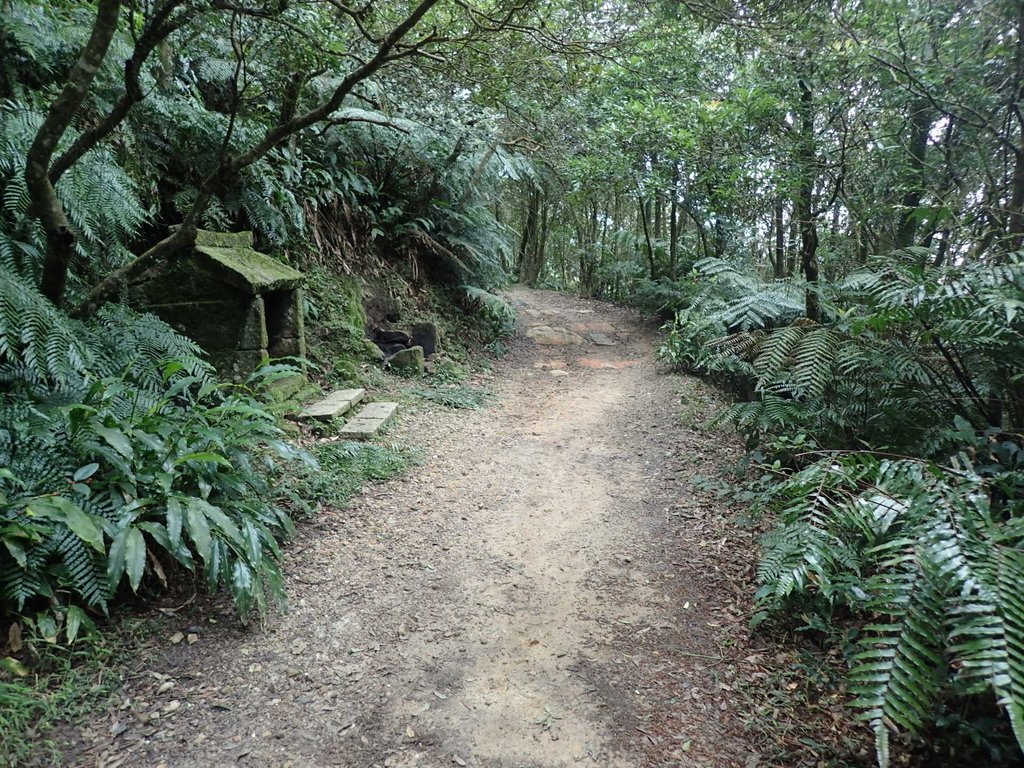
<point>498,315</point>
<point>123,457</point>
<point>664,297</point>
<point>927,559</point>
<point>904,349</point>
<point>342,468</point>
<point>879,533</point>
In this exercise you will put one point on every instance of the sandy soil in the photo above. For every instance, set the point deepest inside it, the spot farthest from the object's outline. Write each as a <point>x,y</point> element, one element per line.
<point>545,589</point>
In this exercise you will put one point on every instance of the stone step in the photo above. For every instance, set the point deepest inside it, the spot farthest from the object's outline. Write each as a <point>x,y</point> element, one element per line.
<point>602,339</point>
<point>337,403</point>
<point>368,422</point>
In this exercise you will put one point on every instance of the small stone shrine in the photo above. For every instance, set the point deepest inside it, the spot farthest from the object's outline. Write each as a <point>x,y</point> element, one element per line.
<point>239,305</point>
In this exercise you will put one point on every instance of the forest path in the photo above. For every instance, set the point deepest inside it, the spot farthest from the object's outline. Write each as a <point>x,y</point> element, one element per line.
<point>543,590</point>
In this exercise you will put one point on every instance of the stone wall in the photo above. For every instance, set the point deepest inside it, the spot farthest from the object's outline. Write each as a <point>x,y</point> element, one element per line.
<point>239,305</point>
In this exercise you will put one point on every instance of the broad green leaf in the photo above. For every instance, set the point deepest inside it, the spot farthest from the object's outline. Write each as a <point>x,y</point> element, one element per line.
<point>115,438</point>
<point>85,472</point>
<point>174,520</point>
<point>17,551</point>
<point>199,529</point>
<point>46,625</point>
<point>61,510</point>
<point>135,557</point>
<point>212,567</point>
<point>158,531</point>
<point>224,524</point>
<point>116,558</point>
<point>242,585</point>
<point>75,620</point>
<point>214,458</point>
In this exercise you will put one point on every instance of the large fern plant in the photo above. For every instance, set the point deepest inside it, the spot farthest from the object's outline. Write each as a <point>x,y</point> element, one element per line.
<point>931,557</point>
<point>904,348</point>
<point>98,195</point>
<point>123,456</point>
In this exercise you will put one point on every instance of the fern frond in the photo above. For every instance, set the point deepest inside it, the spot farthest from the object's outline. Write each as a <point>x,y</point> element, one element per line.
<point>897,676</point>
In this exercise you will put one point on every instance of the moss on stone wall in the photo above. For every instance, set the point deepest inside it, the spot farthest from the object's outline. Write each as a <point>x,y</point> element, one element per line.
<point>335,323</point>
<point>250,270</point>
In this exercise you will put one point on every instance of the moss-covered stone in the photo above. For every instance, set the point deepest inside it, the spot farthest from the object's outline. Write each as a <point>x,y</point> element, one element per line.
<point>239,364</point>
<point>224,239</point>
<point>253,334</point>
<point>216,325</point>
<point>407,362</point>
<point>237,304</point>
<point>346,370</point>
<point>373,352</point>
<point>337,333</point>
<point>250,270</point>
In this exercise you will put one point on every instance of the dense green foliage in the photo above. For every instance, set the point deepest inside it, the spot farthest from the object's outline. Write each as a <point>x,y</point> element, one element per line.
<point>122,455</point>
<point>121,452</point>
<point>827,200</point>
<point>909,360</point>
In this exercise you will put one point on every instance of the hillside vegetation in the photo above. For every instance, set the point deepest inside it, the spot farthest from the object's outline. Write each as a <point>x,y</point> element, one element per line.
<point>824,202</point>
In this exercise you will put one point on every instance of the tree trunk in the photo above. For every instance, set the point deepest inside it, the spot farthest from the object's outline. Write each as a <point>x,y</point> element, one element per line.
<point>1015,212</point>
<point>528,269</point>
<point>673,239</point>
<point>804,203</point>
<point>779,262</point>
<point>645,206</point>
<point>542,242</point>
<point>920,127</point>
<point>46,206</point>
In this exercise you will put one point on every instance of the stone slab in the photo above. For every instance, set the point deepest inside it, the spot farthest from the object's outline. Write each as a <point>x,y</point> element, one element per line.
<point>360,429</point>
<point>377,411</point>
<point>616,365</point>
<point>335,404</point>
<point>585,327</point>
<point>368,422</point>
<point>601,339</point>
<point>553,336</point>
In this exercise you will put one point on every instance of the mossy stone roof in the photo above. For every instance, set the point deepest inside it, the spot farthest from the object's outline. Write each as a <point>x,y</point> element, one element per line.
<point>232,258</point>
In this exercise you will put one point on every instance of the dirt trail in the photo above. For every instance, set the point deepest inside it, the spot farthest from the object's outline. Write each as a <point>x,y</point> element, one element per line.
<point>542,591</point>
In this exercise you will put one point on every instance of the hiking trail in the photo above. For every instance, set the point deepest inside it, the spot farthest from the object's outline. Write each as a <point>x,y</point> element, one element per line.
<point>544,589</point>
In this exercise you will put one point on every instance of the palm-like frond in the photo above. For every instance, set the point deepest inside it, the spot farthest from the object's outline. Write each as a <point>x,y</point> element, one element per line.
<point>918,551</point>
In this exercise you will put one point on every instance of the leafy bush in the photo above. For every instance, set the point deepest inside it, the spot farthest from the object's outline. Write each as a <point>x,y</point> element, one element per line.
<point>930,558</point>
<point>497,314</point>
<point>123,456</point>
<point>664,297</point>
<point>691,342</point>
<point>907,348</point>
<point>919,558</point>
<point>741,300</point>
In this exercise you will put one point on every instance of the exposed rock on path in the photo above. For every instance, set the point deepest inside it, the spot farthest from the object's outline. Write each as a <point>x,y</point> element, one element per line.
<point>543,591</point>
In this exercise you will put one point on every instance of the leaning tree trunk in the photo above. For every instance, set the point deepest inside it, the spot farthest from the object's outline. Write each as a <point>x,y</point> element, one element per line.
<point>644,212</point>
<point>531,253</point>
<point>46,206</point>
<point>779,260</point>
<point>920,127</point>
